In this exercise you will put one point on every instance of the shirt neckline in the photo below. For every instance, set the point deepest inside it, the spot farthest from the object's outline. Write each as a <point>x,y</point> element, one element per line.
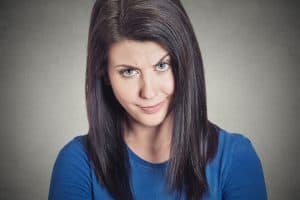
<point>137,159</point>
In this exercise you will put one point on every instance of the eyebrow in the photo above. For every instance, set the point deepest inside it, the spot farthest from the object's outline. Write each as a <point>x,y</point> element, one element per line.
<point>130,66</point>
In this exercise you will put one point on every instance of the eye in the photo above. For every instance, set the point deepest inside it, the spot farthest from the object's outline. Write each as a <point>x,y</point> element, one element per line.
<point>163,66</point>
<point>128,72</point>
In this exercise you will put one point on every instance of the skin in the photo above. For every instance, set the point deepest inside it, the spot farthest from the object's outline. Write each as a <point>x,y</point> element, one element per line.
<point>140,75</point>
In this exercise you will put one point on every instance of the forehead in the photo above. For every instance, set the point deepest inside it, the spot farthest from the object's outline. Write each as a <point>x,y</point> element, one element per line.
<point>138,53</point>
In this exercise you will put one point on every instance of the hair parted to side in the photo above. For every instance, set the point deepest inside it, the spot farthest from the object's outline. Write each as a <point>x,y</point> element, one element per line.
<point>194,138</point>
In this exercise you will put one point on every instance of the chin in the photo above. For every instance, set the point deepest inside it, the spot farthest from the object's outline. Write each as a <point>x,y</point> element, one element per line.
<point>151,120</point>
<point>149,124</point>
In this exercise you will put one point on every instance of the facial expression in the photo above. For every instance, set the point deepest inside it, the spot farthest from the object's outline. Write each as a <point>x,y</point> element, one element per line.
<point>140,74</point>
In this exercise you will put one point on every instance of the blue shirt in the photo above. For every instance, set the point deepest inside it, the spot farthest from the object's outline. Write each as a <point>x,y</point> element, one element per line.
<point>235,173</point>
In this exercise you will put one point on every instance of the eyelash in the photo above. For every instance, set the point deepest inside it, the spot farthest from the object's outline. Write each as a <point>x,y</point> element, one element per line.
<point>122,72</point>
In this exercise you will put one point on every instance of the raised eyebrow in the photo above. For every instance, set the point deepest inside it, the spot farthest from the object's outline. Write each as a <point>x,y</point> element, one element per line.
<point>134,67</point>
<point>160,60</point>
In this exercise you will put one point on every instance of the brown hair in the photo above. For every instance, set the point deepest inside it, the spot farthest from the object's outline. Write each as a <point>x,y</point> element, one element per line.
<point>194,138</point>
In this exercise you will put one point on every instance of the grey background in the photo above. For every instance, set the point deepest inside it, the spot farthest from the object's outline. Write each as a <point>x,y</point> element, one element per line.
<point>251,56</point>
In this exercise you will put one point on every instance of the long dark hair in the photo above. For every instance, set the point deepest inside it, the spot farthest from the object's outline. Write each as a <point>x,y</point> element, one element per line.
<point>194,138</point>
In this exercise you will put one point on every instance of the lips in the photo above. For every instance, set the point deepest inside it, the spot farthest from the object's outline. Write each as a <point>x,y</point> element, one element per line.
<point>152,109</point>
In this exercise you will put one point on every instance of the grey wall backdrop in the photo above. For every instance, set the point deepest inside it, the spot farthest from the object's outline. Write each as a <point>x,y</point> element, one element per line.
<point>251,54</point>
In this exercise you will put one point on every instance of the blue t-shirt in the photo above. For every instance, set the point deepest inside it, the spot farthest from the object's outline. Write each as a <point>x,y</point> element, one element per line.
<point>234,174</point>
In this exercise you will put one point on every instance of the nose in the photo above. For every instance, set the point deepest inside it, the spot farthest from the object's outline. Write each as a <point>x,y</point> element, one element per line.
<point>148,87</point>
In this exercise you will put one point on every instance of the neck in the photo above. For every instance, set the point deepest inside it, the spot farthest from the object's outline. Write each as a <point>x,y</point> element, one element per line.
<point>150,143</point>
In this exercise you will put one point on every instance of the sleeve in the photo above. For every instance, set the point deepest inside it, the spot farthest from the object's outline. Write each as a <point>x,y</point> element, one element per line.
<point>245,179</point>
<point>71,174</point>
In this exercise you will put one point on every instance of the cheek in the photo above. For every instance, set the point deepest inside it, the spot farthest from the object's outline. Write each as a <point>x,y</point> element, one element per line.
<point>123,91</point>
<point>168,84</point>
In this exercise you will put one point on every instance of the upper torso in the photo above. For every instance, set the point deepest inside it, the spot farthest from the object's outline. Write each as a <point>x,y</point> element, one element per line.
<point>234,173</point>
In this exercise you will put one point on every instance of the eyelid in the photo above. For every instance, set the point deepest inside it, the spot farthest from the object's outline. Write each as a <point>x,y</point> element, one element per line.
<point>122,71</point>
<point>163,62</point>
<point>167,61</point>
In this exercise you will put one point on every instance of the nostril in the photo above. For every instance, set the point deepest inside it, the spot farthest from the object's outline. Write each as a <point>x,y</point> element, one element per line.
<point>147,93</point>
<point>148,90</point>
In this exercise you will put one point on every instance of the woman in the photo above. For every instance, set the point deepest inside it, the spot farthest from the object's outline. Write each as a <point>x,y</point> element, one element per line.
<point>149,136</point>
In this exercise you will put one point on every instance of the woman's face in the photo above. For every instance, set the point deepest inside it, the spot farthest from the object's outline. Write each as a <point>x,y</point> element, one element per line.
<point>142,81</point>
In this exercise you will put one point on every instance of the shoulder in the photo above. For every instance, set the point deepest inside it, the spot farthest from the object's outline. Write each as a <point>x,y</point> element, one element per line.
<point>229,144</point>
<point>74,152</point>
<point>71,174</point>
<point>74,146</point>
<point>242,172</point>
<point>236,148</point>
<point>229,140</point>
